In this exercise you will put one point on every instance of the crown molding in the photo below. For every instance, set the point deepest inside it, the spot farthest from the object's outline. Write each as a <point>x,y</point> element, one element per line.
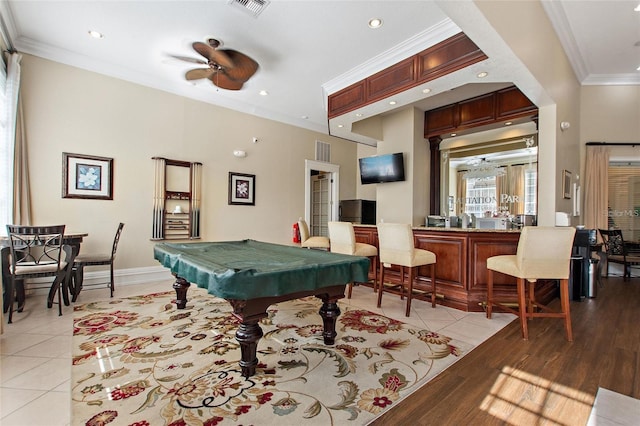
<point>406,49</point>
<point>560,23</point>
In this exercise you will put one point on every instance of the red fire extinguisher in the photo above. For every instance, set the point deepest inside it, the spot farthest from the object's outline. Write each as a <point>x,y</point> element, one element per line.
<point>296,233</point>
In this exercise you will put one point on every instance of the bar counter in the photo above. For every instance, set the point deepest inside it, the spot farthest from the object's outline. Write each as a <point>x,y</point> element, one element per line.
<point>461,265</point>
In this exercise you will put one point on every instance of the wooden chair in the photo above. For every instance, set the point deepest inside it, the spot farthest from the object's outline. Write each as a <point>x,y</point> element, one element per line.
<point>542,253</point>
<point>307,241</point>
<point>342,240</point>
<point>397,247</point>
<point>83,260</point>
<point>616,250</point>
<point>37,251</point>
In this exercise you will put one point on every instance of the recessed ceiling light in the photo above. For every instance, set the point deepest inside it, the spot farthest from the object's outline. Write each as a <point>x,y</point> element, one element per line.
<point>96,34</point>
<point>358,115</point>
<point>305,117</point>
<point>508,123</point>
<point>425,91</point>
<point>483,74</point>
<point>375,23</point>
<point>453,134</point>
<point>637,8</point>
<point>263,93</point>
<point>340,126</point>
<point>392,102</point>
<point>638,69</point>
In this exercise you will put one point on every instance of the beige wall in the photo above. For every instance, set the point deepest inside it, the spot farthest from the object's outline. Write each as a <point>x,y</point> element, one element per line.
<point>610,114</point>
<point>395,199</point>
<point>535,43</point>
<point>365,192</point>
<point>408,201</point>
<point>76,111</point>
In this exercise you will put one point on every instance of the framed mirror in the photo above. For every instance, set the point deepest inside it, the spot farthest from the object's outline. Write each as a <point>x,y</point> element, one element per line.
<point>496,178</point>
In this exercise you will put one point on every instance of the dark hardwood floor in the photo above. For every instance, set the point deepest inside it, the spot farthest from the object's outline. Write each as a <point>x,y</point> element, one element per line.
<point>545,380</point>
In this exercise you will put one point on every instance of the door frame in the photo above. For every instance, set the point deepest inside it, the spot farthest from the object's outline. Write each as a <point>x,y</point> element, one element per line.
<point>334,170</point>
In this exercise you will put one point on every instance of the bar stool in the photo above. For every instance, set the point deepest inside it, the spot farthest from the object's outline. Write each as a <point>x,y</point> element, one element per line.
<point>307,241</point>
<point>397,247</point>
<point>543,253</point>
<point>342,238</point>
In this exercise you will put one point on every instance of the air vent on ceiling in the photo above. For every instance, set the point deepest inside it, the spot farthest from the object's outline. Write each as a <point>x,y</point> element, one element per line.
<point>252,7</point>
<point>323,151</point>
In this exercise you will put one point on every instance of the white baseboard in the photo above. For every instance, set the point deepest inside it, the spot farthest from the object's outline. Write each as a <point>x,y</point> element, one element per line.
<point>123,277</point>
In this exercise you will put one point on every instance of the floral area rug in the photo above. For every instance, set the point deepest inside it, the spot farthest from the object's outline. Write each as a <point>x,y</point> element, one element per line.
<point>140,361</point>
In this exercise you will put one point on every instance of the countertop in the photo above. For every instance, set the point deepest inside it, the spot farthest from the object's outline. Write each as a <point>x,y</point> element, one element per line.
<point>441,229</point>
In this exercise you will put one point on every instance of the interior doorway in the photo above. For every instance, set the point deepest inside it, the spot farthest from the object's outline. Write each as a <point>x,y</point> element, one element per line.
<point>321,195</point>
<point>320,202</point>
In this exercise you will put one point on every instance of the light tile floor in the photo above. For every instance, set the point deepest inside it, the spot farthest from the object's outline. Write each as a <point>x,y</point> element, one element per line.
<point>35,352</point>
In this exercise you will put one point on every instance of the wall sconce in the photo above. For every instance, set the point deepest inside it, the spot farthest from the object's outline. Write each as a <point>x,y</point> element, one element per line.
<point>239,153</point>
<point>564,125</point>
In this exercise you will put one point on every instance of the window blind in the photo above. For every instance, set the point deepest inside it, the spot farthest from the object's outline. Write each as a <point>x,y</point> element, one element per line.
<point>624,199</point>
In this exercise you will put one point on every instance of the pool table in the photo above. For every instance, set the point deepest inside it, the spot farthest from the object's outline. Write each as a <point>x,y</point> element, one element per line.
<point>253,275</point>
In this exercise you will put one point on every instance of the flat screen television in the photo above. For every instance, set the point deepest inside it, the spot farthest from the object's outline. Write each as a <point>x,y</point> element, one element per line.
<point>382,168</point>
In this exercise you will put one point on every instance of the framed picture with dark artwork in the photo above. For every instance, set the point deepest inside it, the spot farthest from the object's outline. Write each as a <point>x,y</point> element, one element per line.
<point>87,176</point>
<point>242,189</point>
<point>566,184</point>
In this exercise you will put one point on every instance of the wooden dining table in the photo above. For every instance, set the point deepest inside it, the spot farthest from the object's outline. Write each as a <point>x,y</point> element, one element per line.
<point>72,239</point>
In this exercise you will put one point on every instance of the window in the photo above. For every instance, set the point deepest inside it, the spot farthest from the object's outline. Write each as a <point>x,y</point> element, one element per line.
<point>624,199</point>
<point>481,196</point>
<point>530,196</point>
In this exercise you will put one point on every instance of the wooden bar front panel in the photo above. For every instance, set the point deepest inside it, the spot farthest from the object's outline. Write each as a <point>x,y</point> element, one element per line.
<point>461,266</point>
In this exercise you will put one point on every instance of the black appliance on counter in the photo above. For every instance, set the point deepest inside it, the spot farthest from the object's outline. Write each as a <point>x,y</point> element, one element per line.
<point>582,265</point>
<point>358,211</point>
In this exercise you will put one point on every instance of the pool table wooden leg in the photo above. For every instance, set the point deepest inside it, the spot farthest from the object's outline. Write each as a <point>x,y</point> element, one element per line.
<point>248,335</point>
<point>329,313</point>
<point>181,286</point>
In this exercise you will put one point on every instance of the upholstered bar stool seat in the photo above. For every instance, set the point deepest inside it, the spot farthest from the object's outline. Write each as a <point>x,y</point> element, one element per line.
<point>542,253</point>
<point>397,247</point>
<point>343,240</point>
<point>307,241</point>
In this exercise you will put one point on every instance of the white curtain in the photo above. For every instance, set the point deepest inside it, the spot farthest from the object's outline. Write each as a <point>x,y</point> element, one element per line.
<point>8,138</point>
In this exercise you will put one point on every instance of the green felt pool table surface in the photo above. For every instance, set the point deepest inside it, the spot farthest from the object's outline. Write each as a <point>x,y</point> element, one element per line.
<point>250,269</point>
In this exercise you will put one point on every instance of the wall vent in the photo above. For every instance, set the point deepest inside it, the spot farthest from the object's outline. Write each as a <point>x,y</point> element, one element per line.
<point>323,151</point>
<point>252,7</point>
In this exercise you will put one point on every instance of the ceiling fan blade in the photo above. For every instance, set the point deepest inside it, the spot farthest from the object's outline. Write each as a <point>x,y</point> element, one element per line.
<point>198,73</point>
<point>244,67</point>
<point>188,59</point>
<point>213,55</point>
<point>222,80</point>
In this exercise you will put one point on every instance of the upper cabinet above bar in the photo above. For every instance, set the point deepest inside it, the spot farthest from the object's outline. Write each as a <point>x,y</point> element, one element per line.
<point>483,112</point>
<point>444,58</point>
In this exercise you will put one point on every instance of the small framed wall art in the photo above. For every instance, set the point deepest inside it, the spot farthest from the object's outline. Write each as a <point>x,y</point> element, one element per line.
<point>242,189</point>
<point>87,176</point>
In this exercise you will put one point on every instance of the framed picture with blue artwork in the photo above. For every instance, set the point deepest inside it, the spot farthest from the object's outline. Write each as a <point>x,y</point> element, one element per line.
<point>87,176</point>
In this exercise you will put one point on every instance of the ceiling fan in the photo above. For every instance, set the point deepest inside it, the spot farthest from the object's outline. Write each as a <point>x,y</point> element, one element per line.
<point>226,68</point>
